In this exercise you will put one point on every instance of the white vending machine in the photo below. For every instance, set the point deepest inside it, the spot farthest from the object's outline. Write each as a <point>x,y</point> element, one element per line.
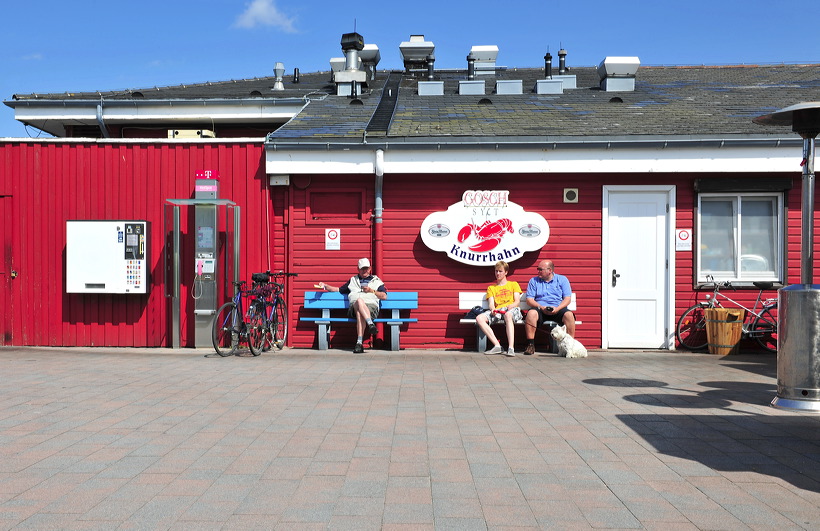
<point>106,256</point>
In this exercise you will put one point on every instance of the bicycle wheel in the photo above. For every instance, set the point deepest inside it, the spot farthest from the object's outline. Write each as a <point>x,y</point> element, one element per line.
<point>764,329</point>
<point>225,331</point>
<point>691,330</point>
<point>279,324</point>
<point>255,320</point>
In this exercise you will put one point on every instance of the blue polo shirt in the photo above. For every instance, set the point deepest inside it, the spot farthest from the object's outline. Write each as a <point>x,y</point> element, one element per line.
<point>549,293</point>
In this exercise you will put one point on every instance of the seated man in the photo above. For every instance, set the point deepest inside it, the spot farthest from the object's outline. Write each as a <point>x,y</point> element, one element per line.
<point>364,292</point>
<point>549,294</point>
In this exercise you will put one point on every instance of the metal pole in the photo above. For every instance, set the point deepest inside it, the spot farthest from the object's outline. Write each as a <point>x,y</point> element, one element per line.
<point>807,242</point>
<point>175,302</point>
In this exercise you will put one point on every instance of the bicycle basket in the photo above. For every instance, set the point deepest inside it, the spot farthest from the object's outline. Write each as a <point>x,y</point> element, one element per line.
<point>260,277</point>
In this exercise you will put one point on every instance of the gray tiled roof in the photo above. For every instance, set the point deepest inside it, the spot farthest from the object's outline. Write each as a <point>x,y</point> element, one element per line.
<point>679,101</point>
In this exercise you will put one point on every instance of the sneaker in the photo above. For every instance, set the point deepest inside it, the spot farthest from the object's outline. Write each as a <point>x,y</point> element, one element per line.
<point>372,329</point>
<point>495,350</point>
<point>358,349</point>
<point>510,352</point>
<point>530,350</point>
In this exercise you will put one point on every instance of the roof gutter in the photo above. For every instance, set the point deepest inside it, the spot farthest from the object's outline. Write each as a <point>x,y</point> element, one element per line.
<point>141,101</point>
<point>541,143</point>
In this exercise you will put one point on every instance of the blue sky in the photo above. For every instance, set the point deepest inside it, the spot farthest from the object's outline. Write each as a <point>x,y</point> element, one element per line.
<point>86,45</point>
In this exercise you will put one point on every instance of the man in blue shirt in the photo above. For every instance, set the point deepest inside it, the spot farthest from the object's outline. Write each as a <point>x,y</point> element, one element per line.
<point>549,294</point>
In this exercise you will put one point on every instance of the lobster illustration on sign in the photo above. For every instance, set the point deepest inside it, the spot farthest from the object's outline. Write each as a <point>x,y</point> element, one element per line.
<point>488,233</point>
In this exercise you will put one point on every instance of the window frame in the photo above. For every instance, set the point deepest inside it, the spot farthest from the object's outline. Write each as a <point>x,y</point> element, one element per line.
<point>736,197</point>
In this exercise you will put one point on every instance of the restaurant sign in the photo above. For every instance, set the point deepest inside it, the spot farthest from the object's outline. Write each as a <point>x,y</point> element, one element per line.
<point>483,228</point>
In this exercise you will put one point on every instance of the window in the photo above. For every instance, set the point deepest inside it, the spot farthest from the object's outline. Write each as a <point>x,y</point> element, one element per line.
<point>740,236</point>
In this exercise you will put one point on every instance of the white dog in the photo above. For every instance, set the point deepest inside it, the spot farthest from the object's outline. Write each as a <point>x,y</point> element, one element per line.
<point>568,346</point>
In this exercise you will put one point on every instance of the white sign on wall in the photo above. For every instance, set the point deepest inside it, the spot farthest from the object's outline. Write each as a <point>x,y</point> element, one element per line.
<point>333,239</point>
<point>683,240</point>
<point>483,228</point>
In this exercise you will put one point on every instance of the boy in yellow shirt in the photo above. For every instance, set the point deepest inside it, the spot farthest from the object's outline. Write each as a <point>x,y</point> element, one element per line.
<point>504,297</point>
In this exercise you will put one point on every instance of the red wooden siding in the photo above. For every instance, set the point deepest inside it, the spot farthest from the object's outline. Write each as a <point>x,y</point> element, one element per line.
<point>44,184</point>
<point>47,183</point>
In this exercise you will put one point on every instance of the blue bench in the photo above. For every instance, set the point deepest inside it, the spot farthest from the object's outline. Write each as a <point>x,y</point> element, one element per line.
<point>332,300</point>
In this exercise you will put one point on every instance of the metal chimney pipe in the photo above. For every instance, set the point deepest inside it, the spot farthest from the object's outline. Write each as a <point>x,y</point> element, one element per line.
<point>562,62</point>
<point>548,65</point>
<point>295,75</point>
<point>470,66</point>
<point>430,69</point>
<point>351,59</point>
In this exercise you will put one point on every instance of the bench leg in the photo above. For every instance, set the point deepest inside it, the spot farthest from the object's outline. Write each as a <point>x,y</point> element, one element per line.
<point>324,336</point>
<point>394,337</point>
<point>480,339</point>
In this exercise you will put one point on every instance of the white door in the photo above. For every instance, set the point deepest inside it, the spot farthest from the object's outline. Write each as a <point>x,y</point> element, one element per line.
<point>636,267</point>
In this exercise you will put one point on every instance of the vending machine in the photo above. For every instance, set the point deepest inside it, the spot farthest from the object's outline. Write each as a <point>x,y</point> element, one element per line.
<point>104,256</point>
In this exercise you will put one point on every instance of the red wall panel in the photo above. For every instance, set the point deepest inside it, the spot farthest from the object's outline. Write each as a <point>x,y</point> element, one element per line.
<point>44,184</point>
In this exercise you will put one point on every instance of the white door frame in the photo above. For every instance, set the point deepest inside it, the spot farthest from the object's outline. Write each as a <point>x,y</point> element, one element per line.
<point>669,190</point>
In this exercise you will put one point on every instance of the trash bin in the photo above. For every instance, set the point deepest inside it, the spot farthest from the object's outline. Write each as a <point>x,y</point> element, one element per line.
<point>724,328</point>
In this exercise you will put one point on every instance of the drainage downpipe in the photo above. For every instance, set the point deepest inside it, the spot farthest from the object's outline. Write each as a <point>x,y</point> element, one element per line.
<point>101,122</point>
<point>378,210</point>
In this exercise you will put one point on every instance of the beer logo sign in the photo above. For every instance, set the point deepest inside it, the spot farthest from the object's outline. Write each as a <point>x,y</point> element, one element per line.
<point>487,227</point>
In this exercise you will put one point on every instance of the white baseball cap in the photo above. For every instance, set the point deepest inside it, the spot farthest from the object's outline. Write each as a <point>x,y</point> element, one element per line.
<point>364,262</point>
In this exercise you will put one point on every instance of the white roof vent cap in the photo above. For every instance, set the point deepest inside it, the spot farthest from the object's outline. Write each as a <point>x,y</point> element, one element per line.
<point>618,67</point>
<point>414,52</point>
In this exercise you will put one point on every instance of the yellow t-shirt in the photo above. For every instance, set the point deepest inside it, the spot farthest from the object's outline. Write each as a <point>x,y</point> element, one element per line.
<point>503,295</point>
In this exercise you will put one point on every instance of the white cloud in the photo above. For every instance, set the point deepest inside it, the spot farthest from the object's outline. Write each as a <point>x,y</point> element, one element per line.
<point>33,57</point>
<point>264,13</point>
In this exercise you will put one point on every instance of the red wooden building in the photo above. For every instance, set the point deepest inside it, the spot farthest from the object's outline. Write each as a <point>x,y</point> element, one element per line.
<point>662,183</point>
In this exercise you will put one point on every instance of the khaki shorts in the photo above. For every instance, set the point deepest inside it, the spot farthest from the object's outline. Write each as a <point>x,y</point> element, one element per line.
<point>374,311</point>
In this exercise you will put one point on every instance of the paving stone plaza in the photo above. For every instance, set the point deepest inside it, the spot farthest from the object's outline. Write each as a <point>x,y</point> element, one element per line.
<point>181,439</point>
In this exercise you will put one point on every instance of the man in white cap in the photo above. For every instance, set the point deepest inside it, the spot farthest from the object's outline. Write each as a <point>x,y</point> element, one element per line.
<point>364,291</point>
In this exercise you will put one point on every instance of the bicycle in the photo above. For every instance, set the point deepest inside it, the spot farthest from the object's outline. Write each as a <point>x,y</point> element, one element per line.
<point>760,326</point>
<point>270,328</point>
<point>232,325</point>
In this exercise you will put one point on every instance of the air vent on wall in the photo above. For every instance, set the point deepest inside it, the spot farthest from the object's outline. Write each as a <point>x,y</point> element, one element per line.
<point>570,195</point>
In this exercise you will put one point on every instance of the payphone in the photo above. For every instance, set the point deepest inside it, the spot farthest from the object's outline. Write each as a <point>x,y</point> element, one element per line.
<point>204,247</point>
<point>206,251</point>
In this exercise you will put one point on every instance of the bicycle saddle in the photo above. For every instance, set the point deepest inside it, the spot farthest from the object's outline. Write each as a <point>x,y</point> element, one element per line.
<point>763,285</point>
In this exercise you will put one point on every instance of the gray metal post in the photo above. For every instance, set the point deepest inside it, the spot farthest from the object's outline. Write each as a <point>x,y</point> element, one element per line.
<point>807,242</point>
<point>175,302</point>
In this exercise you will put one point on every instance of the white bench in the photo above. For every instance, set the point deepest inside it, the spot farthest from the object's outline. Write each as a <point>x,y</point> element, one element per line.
<point>467,300</point>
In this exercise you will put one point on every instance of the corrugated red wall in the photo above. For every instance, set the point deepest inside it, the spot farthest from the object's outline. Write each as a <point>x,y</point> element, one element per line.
<point>44,184</point>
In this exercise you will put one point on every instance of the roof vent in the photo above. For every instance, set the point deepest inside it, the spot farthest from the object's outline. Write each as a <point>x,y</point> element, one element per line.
<point>415,53</point>
<point>485,57</point>
<point>347,80</point>
<point>562,62</point>
<point>279,72</point>
<point>617,74</point>
<point>370,57</point>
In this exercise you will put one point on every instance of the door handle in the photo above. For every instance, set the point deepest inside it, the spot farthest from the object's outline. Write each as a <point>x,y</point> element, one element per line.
<point>615,277</point>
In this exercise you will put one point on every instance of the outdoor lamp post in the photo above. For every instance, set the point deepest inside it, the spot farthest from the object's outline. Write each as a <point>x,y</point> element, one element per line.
<point>798,330</point>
